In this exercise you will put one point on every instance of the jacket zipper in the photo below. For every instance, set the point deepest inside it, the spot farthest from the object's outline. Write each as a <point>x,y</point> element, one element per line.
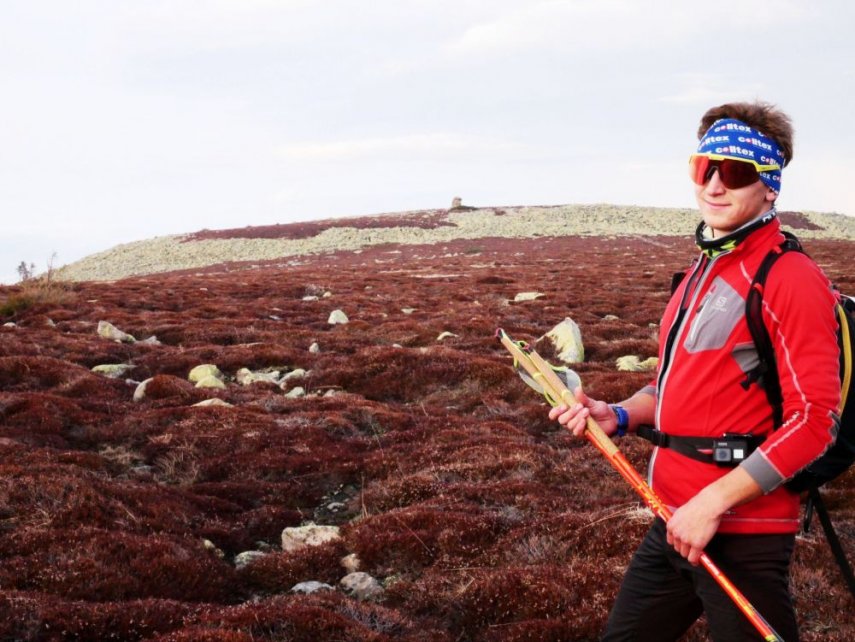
<point>699,274</point>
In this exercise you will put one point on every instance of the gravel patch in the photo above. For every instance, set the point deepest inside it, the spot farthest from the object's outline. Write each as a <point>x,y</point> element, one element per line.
<point>171,253</point>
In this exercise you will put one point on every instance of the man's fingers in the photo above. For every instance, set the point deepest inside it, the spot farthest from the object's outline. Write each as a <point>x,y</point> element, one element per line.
<point>554,413</point>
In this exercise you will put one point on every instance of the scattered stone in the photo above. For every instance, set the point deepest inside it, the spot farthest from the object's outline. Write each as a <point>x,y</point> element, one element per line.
<point>139,393</point>
<point>296,373</point>
<point>311,297</point>
<point>205,370</point>
<point>350,563</point>
<point>314,348</point>
<point>311,534</point>
<point>337,316</point>
<point>631,363</point>
<point>311,587</point>
<point>332,393</point>
<point>445,335</point>
<point>151,341</point>
<point>50,323</point>
<point>210,546</point>
<point>109,331</point>
<point>113,370</point>
<point>528,296</point>
<point>247,557</point>
<point>327,294</point>
<point>397,345</point>
<point>361,586</point>
<point>214,401</point>
<point>408,310</point>
<point>10,324</point>
<point>295,393</point>
<point>210,382</point>
<point>611,317</point>
<point>245,376</point>
<point>566,338</point>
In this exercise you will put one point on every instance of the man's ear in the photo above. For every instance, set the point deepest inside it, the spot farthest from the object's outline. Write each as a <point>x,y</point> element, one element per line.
<point>771,194</point>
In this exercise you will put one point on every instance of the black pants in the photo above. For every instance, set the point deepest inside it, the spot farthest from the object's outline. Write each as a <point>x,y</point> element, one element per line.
<point>662,594</point>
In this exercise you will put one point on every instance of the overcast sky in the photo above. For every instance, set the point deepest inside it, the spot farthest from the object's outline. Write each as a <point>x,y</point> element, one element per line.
<point>126,119</point>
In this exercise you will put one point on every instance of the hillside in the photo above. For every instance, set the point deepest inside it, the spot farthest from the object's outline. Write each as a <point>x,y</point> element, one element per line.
<point>144,516</point>
<point>281,244</point>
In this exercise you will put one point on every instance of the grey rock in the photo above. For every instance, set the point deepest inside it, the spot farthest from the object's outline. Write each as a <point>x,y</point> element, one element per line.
<point>311,534</point>
<point>311,587</point>
<point>113,370</point>
<point>109,331</point>
<point>361,586</point>
<point>247,557</point>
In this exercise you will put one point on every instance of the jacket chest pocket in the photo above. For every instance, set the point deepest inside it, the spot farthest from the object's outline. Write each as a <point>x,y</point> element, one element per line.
<point>718,313</point>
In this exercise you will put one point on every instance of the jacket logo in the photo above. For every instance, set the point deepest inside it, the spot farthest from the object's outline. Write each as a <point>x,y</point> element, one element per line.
<point>720,304</point>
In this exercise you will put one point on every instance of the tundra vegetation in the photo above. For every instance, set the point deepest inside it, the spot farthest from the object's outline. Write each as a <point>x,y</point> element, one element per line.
<point>122,519</point>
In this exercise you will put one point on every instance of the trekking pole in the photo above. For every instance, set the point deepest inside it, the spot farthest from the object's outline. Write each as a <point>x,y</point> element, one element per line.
<point>556,392</point>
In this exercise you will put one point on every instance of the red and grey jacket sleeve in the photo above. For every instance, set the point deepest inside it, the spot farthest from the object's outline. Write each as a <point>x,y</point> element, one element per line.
<point>798,310</point>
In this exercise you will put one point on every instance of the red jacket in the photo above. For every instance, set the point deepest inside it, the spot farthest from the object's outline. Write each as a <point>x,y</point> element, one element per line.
<point>699,391</point>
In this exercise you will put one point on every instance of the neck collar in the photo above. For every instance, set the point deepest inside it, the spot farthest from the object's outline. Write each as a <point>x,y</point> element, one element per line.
<point>712,247</point>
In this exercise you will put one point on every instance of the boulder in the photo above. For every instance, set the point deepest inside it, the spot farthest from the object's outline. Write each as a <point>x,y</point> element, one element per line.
<point>205,370</point>
<point>212,402</point>
<point>528,296</point>
<point>314,348</point>
<point>631,363</point>
<point>245,376</point>
<point>408,310</point>
<point>337,316</point>
<point>350,563</point>
<point>213,548</point>
<point>295,393</point>
<point>311,534</point>
<point>566,339</point>
<point>210,382</point>
<point>311,587</point>
<point>113,370</point>
<point>109,331</point>
<point>361,586</point>
<point>296,373</point>
<point>139,393</point>
<point>247,557</point>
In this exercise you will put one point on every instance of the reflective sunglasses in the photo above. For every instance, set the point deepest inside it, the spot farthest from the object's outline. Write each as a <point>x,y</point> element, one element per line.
<point>733,172</point>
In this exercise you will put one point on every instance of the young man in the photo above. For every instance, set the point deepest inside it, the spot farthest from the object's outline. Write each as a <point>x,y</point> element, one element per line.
<point>741,515</point>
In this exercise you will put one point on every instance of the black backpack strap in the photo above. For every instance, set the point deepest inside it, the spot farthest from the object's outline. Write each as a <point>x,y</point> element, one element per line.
<point>766,372</point>
<point>815,502</point>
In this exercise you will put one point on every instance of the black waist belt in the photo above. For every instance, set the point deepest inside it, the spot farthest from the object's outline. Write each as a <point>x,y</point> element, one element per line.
<point>731,449</point>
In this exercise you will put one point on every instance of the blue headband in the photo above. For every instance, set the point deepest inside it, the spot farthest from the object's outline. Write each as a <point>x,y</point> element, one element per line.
<point>731,137</point>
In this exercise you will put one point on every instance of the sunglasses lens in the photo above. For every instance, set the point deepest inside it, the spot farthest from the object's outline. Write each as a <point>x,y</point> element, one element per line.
<point>698,168</point>
<point>733,173</point>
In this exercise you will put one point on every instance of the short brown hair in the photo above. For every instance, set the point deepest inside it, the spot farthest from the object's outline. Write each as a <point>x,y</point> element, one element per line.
<point>764,117</point>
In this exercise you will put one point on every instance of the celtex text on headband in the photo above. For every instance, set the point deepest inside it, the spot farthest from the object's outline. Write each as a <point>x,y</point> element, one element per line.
<point>733,138</point>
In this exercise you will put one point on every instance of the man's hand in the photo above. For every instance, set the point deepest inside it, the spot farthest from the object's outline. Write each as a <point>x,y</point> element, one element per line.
<point>693,525</point>
<point>575,417</point>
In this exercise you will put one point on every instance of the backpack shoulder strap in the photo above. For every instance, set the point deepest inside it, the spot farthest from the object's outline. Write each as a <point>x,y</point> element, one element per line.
<point>766,372</point>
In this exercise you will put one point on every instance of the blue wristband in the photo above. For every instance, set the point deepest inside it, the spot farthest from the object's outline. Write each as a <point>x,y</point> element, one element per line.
<point>622,418</point>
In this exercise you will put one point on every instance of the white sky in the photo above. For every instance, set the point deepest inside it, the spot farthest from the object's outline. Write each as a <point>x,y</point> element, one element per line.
<point>126,119</point>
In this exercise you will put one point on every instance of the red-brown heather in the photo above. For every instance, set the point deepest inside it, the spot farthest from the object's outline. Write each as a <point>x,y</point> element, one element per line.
<point>484,521</point>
